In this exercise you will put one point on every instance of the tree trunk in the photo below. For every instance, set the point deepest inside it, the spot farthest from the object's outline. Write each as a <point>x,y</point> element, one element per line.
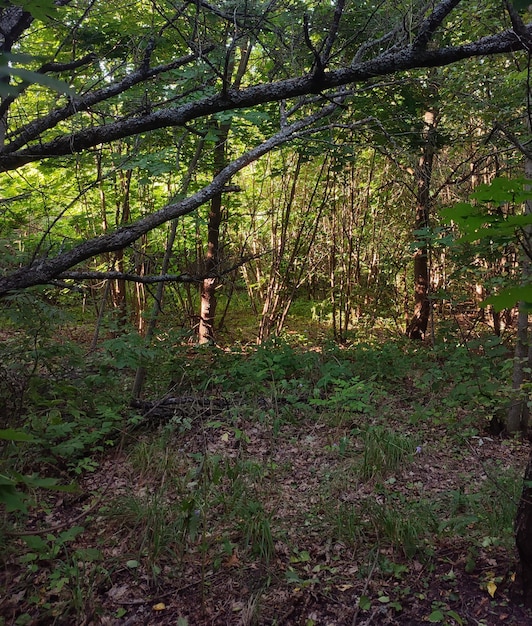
<point>419,321</point>
<point>212,259</point>
<point>518,413</point>
<point>140,374</point>
<point>523,535</point>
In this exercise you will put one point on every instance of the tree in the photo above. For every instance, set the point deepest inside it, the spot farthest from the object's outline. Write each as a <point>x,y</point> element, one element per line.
<point>72,125</point>
<point>417,326</point>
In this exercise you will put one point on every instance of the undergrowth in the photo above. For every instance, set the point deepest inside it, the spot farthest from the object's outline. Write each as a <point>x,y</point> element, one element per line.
<point>325,449</point>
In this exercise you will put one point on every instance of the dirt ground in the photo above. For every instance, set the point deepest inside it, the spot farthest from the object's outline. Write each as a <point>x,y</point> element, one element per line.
<point>312,576</point>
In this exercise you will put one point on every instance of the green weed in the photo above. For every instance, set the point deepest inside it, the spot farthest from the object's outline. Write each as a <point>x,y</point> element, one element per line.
<point>255,526</point>
<point>385,451</point>
<point>156,527</point>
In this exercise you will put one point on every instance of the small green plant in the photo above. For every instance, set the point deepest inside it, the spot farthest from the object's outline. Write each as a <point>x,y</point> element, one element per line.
<point>255,526</point>
<point>15,488</point>
<point>404,524</point>
<point>385,451</point>
<point>68,574</point>
<point>350,396</point>
<point>157,527</point>
<point>442,614</point>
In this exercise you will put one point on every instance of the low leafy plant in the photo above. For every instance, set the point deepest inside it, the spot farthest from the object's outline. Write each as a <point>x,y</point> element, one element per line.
<point>68,576</point>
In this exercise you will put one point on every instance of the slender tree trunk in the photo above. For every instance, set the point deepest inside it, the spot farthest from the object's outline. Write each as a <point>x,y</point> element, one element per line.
<point>523,535</point>
<point>123,215</point>
<point>518,413</point>
<point>140,375</point>
<point>212,259</point>
<point>419,321</point>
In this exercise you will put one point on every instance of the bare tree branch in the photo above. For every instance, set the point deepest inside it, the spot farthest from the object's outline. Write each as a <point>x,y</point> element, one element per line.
<point>518,25</point>
<point>433,22</point>
<point>387,63</point>
<point>135,278</point>
<point>34,129</point>
<point>42,271</point>
<point>159,278</point>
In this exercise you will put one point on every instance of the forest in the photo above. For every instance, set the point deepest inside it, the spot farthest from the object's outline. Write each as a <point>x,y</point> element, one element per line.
<point>265,292</point>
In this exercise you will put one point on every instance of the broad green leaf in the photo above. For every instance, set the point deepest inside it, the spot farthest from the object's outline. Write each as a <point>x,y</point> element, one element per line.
<point>13,499</point>
<point>364,603</point>
<point>502,190</point>
<point>10,434</point>
<point>509,297</point>
<point>454,615</point>
<point>35,543</point>
<point>35,77</point>
<point>41,10</point>
<point>436,617</point>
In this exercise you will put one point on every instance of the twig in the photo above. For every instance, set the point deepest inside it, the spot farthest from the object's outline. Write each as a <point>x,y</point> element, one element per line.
<point>366,585</point>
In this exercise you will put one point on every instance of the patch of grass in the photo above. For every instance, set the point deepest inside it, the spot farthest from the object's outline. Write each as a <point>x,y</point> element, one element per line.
<point>155,458</point>
<point>347,523</point>
<point>255,527</point>
<point>385,451</point>
<point>485,514</point>
<point>404,524</point>
<point>155,527</point>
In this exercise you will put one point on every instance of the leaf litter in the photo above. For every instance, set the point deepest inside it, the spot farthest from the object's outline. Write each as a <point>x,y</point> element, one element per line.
<point>262,520</point>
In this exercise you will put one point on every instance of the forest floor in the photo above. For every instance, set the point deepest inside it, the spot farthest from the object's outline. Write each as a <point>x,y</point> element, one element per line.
<point>279,510</point>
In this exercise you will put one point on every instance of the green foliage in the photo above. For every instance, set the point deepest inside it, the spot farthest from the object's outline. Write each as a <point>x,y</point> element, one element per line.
<point>27,77</point>
<point>67,573</point>
<point>354,396</point>
<point>15,487</point>
<point>43,10</point>
<point>492,222</point>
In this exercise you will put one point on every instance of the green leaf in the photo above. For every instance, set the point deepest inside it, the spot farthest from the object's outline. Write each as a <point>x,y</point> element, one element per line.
<point>36,543</point>
<point>41,10</point>
<point>14,500</point>
<point>454,615</point>
<point>31,77</point>
<point>508,298</point>
<point>364,603</point>
<point>10,434</point>
<point>436,616</point>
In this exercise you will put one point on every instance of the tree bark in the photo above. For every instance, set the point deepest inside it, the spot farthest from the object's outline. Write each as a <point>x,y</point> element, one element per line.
<point>518,413</point>
<point>212,258</point>
<point>523,535</point>
<point>419,321</point>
